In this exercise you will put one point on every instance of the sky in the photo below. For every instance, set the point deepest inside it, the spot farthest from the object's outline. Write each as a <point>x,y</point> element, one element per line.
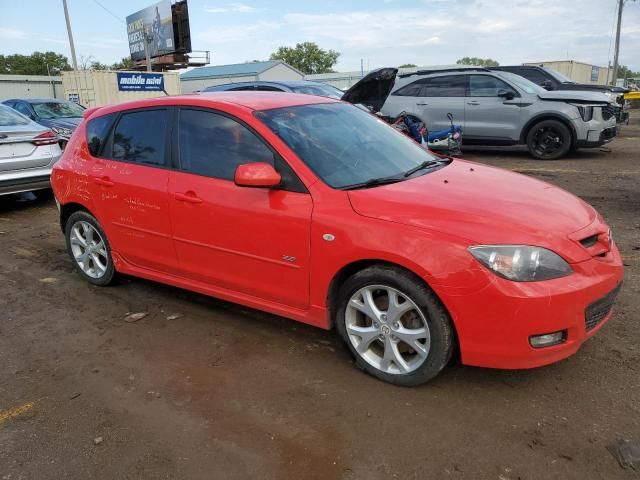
<point>380,32</point>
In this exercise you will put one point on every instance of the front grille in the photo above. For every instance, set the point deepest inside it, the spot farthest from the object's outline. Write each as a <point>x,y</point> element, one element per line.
<point>598,310</point>
<point>608,112</point>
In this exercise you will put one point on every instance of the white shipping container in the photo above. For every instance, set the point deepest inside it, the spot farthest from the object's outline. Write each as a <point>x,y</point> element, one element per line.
<point>94,88</point>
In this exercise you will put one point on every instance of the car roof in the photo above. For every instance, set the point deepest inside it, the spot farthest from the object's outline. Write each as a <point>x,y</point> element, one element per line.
<point>37,100</point>
<point>244,99</point>
<point>285,83</point>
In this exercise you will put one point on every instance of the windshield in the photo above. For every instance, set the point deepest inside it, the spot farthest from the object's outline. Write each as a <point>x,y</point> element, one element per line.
<point>526,85</point>
<point>558,76</point>
<point>344,145</point>
<point>322,90</point>
<point>49,110</point>
<point>9,117</point>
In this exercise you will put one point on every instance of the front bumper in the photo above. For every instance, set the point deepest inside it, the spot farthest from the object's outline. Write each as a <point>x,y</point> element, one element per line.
<point>597,138</point>
<point>494,325</point>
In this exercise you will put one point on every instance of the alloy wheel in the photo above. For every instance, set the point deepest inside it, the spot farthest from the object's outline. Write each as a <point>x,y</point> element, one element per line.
<point>547,141</point>
<point>89,249</point>
<point>387,329</point>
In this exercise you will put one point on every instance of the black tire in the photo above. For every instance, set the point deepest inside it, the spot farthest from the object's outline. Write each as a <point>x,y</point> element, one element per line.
<point>549,140</point>
<point>439,323</point>
<point>109,274</point>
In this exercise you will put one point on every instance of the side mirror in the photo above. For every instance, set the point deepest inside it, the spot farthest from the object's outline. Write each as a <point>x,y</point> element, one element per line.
<point>259,174</point>
<point>547,85</point>
<point>506,94</point>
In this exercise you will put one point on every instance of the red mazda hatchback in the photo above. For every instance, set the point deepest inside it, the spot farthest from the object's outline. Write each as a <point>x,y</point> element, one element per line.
<point>316,210</point>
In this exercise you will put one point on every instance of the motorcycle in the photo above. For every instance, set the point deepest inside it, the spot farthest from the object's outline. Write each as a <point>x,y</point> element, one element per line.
<point>447,141</point>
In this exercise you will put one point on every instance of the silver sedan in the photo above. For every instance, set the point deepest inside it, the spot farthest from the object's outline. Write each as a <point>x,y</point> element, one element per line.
<point>27,153</point>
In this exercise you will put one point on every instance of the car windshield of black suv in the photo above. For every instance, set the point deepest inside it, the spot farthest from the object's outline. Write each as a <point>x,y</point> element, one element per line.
<point>346,146</point>
<point>50,110</point>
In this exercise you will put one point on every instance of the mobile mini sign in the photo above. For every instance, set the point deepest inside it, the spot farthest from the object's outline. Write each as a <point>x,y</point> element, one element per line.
<point>140,82</point>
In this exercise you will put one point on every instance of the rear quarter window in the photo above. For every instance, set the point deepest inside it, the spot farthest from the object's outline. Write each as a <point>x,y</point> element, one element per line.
<point>98,132</point>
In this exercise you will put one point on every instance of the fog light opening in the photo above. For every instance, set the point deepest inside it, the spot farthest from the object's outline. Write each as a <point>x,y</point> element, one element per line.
<point>548,339</point>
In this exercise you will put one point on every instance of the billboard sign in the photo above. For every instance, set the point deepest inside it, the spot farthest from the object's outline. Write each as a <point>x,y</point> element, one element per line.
<point>140,82</point>
<point>157,22</point>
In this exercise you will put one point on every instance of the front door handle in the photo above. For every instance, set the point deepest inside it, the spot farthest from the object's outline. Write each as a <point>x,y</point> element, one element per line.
<point>422,104</point>
<point>473,103</point>
<point>104,181</point>
<point>189,197</point>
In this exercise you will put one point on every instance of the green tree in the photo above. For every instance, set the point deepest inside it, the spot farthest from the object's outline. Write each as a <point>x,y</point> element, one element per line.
<point>34,64</point>
<point>478,62</point>
<point>125,64</point>
<point>408,65</point>
<point>307,57</point>
<point>625,72</point>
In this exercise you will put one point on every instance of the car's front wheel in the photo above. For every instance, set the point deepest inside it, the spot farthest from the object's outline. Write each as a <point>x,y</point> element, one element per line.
<point>549,140</point>
<point>395,327</point>
<point>89,248</point>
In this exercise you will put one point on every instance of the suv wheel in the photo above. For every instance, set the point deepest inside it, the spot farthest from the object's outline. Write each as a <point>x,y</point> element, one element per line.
<point>89,249</point>
<point>395,327</point>
<point>549,140</point>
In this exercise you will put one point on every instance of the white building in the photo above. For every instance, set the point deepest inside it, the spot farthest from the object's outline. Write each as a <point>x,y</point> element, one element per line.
<point>200,78</point>
<point>579,72</point>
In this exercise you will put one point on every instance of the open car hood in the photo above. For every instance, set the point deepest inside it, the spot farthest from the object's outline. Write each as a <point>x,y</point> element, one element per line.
<point>373,89</point>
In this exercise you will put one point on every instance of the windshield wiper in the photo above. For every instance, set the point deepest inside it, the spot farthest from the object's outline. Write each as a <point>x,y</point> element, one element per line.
<point>373,182</point>
<point>422,166</point>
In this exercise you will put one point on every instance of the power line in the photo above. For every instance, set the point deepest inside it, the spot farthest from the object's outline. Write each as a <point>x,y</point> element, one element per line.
<point>109,11</point>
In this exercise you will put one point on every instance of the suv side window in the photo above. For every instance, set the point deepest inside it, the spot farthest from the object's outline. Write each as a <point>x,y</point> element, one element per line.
<point>411,90</point>
<point>140,137</point>
<point>98,133</point>
<point>533,75</point>
<point>268,88</point>
<point>487,86</point>
<point>213,145</point>
<point>446,86</point>
<point>245,87</point>
<point>23,109</point>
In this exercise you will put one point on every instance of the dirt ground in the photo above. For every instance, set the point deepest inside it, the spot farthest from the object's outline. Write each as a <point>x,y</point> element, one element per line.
<point>227,392</point>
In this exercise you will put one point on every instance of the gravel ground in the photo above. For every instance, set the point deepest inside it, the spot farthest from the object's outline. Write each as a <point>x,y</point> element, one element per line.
<point>228,392</point>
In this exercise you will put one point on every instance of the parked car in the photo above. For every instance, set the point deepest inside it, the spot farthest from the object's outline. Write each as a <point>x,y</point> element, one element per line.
<point>550,79</point>
<point>496,108</point>
<point>313,209</point>
<point>61,116</point>
<point>294,86</point>
<point>27,153</point>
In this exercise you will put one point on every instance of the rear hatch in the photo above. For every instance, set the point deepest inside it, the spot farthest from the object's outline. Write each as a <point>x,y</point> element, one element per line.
<point>18,150</point>
<point>373,89</point>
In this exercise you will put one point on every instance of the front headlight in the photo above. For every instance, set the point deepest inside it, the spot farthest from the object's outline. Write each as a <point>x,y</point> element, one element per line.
<point>62,132</point>
<point>586,112</point>
<point>521,263</point>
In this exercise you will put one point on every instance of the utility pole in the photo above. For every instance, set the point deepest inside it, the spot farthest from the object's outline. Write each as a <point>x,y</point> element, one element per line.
<point>71,45</point>
<point>617,48</point>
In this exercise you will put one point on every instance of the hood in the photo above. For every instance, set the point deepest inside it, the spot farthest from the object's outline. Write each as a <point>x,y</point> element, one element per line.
<point>70,123</point>
<point>373,89</point>
<point>482,205</point>
<point>574,96</point>
<point>592,87</point>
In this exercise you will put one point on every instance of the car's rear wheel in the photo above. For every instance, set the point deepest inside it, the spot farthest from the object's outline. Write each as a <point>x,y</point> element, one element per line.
<point>395,327</point>
<point>549,140</point>
<point>89,248</point>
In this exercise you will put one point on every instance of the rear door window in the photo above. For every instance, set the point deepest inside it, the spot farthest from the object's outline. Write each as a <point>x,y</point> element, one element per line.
<point>98,133</point>
<point>487,86</point>
<point>446,86</point>
<point>141,137</point>
<point>213,145</point>
<point>411,90</point>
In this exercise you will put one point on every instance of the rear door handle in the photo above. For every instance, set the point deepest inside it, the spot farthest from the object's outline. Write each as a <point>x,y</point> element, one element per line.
<point>473,103</point>
<point>422,104</point>
<point>189,197</point>
<point>104,181</point>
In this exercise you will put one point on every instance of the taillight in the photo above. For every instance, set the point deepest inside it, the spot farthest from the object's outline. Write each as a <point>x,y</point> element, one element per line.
<point>46,138</point>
